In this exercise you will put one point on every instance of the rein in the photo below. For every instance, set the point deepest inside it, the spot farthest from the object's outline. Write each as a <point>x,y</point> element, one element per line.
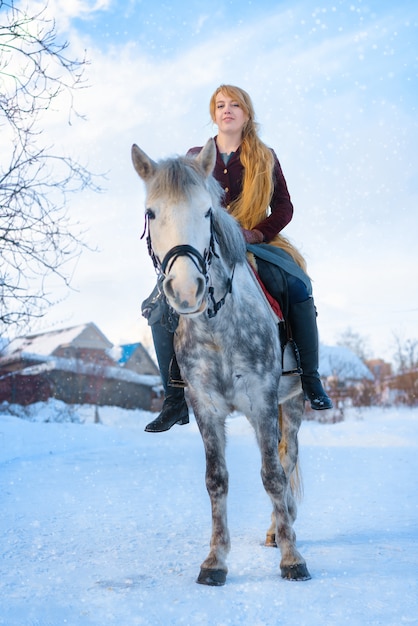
<point>221,302</point>
<point>202,262</point>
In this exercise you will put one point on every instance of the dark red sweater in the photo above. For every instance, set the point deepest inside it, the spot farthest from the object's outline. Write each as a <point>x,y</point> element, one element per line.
<point>230,178</point>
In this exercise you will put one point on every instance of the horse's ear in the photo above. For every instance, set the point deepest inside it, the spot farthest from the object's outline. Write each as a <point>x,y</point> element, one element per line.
<point>207,157</point>
<point>144,166</point>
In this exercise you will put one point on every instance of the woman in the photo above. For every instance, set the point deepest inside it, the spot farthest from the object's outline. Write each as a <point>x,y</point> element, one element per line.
<point>256,195</point>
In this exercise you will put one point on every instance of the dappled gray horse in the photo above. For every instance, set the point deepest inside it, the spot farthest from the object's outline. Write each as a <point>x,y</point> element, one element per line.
<point>227,343</point>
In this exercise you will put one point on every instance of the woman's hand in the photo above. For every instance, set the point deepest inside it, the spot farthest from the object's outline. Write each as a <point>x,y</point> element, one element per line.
<point>253,236</point>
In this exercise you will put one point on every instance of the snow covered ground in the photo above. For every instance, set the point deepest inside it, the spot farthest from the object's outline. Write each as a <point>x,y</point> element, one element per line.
<point>106,524</point>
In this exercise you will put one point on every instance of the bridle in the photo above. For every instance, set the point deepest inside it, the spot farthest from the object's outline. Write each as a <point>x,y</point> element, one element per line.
<point>201,261</point>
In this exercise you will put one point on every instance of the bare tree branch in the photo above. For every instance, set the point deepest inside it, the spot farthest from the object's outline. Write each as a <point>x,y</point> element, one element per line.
<point>355,342</point>
<point>37,238</point>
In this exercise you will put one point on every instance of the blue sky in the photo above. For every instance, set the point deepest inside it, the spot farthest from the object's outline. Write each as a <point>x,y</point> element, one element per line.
<point>171,26</point>
<point>334,86</point>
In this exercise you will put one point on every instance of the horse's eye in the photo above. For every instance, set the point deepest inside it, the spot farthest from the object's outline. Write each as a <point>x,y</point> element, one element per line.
<point>150,214</point>
<point>208,213</point>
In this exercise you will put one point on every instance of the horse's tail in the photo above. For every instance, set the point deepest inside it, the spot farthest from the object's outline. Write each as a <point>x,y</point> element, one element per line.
<point>282,242</point>
<point>296,483</point>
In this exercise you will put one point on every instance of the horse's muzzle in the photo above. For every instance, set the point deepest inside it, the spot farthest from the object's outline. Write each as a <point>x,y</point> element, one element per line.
<point>186,300</point>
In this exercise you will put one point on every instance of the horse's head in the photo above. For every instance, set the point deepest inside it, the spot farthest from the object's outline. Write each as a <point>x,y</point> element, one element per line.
<point>179,219</point>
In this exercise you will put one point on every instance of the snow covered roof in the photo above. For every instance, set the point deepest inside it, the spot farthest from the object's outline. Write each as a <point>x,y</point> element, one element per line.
<point>342,362</point>
<point>44,344</point>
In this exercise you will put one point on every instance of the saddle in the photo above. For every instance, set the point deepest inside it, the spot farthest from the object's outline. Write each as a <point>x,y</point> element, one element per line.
<point>155,308</point>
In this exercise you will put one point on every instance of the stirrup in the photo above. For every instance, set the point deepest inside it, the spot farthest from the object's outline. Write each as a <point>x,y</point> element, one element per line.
<point>176,380</point>
<point>177,383</point>
<point>296,371</point>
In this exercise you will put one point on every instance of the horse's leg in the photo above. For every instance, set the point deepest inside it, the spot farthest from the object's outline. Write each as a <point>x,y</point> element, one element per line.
<point>291,412</point>
<point>276,484</point>
<point>213,570</point>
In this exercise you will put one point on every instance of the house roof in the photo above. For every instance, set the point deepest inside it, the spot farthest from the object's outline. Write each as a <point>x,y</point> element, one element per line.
<point>127,351</point>
<point>342,362</point>
<point>45,344</point>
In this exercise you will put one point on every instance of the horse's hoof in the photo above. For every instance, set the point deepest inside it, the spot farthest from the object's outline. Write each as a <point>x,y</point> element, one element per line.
<point>212,577</point>
<point>270,541</point>
<point>295,572</point>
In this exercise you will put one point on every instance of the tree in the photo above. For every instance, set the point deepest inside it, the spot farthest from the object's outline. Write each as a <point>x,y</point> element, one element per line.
<point>406,355</point>
<point>406,381</point>
<point>37,238</point>
<point>354,342</point>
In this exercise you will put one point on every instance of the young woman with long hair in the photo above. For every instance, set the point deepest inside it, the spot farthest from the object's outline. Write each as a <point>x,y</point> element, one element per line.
<point>256,194</point>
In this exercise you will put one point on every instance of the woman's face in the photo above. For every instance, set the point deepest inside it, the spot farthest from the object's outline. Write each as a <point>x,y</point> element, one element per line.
<point>229,116</point>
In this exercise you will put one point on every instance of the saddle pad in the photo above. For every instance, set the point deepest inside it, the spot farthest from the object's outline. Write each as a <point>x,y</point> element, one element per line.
<point>272,301</point>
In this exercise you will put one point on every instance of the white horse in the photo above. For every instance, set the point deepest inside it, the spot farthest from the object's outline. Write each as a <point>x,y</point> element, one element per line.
<point>227,343</point>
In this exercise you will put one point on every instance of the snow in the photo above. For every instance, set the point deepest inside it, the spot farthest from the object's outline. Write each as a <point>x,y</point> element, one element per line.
<point>102,523</point>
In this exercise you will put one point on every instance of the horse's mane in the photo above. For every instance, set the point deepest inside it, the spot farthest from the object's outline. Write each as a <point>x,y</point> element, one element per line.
<point>229,236</point>
<point>176,178</point>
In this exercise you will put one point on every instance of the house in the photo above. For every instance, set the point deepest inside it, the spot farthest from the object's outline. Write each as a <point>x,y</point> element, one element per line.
<point>380,368</point>
<point>347,377</point>
<point>401,388</point>
<point>134,357</point>
<point>74,365</point>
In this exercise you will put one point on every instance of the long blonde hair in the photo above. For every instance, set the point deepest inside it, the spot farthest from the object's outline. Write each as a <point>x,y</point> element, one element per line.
<point>251,206</point>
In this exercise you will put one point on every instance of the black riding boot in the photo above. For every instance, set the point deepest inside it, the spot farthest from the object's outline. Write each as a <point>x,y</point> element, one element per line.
<point>175,410</point>
<point>302,318</point>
